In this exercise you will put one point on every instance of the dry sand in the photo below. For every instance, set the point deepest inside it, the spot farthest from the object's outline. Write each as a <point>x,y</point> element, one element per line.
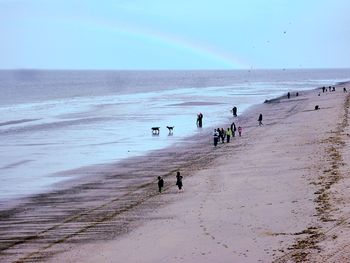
<point>279,193</point>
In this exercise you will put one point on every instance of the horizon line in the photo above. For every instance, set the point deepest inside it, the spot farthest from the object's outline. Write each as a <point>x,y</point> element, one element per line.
<point>159,69</point>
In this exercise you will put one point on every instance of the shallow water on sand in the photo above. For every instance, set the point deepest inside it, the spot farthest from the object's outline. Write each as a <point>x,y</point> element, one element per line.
<point>44,137</point>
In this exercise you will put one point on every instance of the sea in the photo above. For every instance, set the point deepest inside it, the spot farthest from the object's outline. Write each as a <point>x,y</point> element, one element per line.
<point>55,121</point>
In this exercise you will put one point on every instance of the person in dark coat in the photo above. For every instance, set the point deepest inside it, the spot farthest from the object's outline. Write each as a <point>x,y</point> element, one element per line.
<point>222,135</point>
<point>179,180</point>
<point>160,183</point>
<point>260,119</point>
<point>233,129</point>
<point>200,120</point>
<point>234,111</point>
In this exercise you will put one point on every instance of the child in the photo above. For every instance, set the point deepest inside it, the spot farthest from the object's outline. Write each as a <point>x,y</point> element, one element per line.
<point>240,131</point>
<point>160,183</point>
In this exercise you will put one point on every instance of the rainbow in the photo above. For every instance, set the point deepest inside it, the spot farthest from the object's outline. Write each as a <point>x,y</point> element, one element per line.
<point>226,59</point>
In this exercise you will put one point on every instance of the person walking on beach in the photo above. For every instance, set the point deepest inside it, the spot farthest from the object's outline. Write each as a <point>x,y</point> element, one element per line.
<point>222,135</point>
<point>228,135</point>
<point>260,120</point>
<point>344,90</point>
<point>216,137</point>
<point>240,131</point>
<point>234,111</point>
<point>219,131</point>
<point>160,183</point>
<point>233,129</point>
<point>288,95</point>
<point>199,120</point>
<point>179,180</point>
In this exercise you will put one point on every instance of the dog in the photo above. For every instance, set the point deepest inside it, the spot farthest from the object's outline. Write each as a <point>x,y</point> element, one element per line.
<point>155,130</point>
<point>170,128</point>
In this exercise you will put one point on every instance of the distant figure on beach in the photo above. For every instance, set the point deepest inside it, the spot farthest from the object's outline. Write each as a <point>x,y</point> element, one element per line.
<point>344,90</point>
<point>233,129</point>
<point>160,183</point>
<point>297,94</point>
<point>260,120</point>
<point>216,137</point>
<point>324,89</point>
<point>329,88</point>
<point>179,180</point>
<point>333,89</point>
<point>222,135</point>
<point>234,111</point>
<point>240,131</point>
<point>228,135</point>
<point>288,95</point>
<point>199,120</point>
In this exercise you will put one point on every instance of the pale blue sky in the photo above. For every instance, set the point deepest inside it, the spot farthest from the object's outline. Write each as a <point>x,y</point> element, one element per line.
<point>181,34</point>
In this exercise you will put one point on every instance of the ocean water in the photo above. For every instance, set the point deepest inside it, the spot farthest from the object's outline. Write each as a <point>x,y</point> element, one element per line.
<point>52,122</point>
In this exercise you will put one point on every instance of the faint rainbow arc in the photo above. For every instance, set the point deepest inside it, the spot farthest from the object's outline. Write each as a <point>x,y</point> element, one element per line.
<point>227,59</point>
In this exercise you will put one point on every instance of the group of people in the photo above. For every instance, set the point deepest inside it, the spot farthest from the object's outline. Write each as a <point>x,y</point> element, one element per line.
<point>178,182</point>
<point>296,95</point>
<point>221,134</point>
<point>330,89</point>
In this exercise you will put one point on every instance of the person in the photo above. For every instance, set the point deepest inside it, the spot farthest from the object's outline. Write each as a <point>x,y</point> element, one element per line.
<point>219,131</point>
<point>240,131</point>
<point>222,135</point>
<point>323,89</point>
<point>228,135</point>
<point>344,90</point>
<point>297,94</point>
<point>234,111</point>
<point>288,95</point>
<point>260,119</point>
<point>179,180</point>
<point>216,137</point>
<point>233,129</point>
<point>199,120</point>
<point>160,183</point>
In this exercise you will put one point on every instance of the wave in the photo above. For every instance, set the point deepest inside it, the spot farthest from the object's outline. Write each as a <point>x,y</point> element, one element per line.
<point>52,125</point>
<point>17,122</point>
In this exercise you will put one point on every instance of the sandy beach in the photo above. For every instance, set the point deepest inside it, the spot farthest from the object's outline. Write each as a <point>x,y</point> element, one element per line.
<point>279,193</point>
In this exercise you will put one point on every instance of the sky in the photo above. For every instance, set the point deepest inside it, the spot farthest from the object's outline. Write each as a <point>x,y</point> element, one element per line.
<point>174,34</point>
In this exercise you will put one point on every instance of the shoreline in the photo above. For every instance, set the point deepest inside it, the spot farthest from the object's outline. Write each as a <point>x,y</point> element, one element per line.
<point>100,211</point>
<point>96,171</point>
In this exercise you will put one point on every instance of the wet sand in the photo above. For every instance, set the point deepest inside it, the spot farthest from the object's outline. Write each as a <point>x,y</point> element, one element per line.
<point>276,194</point>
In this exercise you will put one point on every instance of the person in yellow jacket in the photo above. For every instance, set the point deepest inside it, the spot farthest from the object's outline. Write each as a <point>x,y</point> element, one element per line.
<point>228,134</point>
